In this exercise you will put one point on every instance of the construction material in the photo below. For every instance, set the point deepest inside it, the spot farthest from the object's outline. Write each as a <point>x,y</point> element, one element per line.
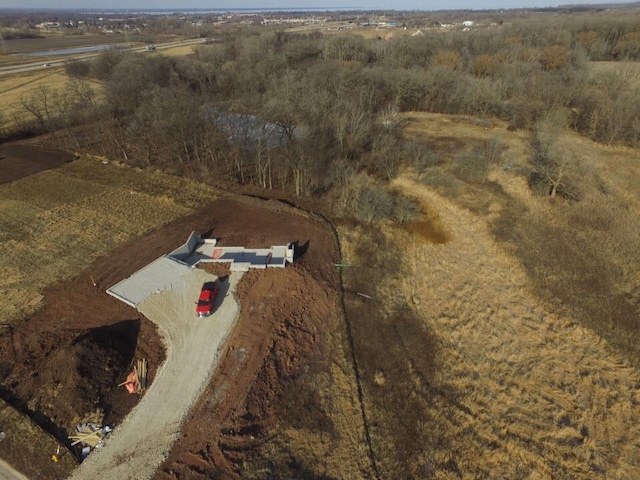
<point>89,435</point>
<point>142,374</point>
<point>60,452</point>
<point>136,381</point>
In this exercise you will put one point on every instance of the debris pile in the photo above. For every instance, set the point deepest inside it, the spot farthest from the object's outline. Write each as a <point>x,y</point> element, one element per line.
<point>90,435</point>
<point>136,381</point>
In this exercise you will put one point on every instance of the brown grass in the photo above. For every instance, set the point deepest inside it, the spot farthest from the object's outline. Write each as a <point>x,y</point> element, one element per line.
<point>179,51</point>
<point>597,68</point>
<point>20,430</point>
<point>522,392</point>
<point>429,227</point>
<point>506,351</point>
<point>14,87</point>
<point>55,223</point>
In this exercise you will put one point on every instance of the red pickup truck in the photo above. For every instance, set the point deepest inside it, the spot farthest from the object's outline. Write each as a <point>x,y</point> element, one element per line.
<point>207,299</point>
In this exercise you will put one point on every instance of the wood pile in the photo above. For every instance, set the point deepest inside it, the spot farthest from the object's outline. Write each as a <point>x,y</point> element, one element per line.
<point>89,434</point>
<point>136,381</point>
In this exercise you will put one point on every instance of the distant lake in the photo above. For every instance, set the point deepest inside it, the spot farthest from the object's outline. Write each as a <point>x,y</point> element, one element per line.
<point>202,11</point>
<point>71,51</point>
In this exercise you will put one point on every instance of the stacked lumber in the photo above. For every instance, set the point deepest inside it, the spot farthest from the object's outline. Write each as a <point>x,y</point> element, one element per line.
<point>89,434</point>
<point>136,381</point>
<point>141,370</point>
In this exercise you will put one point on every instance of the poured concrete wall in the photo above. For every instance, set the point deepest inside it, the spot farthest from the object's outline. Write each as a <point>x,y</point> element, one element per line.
<point>186,249</point>
<point>159,274</point>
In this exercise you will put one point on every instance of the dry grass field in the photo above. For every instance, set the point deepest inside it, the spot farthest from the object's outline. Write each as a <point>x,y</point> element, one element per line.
<point>610,67</point>
<point>14,88</point>
<point>503,344</point>
<point>529,393</point>
<point>55,223</point>
<point>179,51</point>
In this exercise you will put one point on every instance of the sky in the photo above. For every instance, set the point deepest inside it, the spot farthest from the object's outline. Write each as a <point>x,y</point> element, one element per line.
<point>302,4</point>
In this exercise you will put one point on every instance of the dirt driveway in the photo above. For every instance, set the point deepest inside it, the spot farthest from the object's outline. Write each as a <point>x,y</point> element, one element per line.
<point>143,440</point>
<point>7,472</point>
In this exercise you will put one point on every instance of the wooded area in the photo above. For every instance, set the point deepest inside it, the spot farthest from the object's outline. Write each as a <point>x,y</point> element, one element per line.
<point>309,113</point>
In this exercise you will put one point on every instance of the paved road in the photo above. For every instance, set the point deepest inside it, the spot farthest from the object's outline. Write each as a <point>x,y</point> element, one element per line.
<point>58,62</point>
<point>139,445</point>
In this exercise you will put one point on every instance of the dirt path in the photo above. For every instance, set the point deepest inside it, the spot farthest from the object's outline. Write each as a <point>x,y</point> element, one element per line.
<point>523,392</point>
<point>143,440</point>
<point>7,472</point>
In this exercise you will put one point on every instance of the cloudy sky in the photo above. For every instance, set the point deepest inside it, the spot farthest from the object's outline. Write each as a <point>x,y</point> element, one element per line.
<point>265,4</point>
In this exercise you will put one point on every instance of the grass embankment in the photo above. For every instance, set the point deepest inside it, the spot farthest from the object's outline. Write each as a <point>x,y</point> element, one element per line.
<point>55,223</point>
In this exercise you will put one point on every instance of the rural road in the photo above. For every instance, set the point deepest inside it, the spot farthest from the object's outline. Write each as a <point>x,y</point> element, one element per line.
<point>138,446</point>
<point>58,62</point>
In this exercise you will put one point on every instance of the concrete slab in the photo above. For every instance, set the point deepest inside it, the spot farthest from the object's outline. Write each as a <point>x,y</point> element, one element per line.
<point>157,276</point>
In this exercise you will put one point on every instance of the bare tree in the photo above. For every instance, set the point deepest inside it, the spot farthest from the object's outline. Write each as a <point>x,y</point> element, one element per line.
<point>553,167</point>
<point>386,155</point>
<point>421,157</point>
<point>39,104</point>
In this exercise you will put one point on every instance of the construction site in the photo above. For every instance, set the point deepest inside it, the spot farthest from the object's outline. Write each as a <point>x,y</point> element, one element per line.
<point>113,365</point>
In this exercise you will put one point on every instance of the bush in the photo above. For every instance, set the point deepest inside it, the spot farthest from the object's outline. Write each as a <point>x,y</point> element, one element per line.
<point>77,68</point>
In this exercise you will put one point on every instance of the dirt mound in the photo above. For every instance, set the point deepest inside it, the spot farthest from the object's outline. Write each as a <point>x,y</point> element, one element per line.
<point>79,376</point>
<point>18,161</point>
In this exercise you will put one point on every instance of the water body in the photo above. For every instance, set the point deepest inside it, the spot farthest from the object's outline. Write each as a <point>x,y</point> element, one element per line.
<point>197,11</point>
<point>71,51</point>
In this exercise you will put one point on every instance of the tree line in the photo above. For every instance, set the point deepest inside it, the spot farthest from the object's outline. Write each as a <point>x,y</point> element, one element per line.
<point>335,99</point>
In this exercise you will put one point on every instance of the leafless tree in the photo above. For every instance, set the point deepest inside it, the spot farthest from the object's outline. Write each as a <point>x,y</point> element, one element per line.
<point>40,105</point>
<point>553,167</point>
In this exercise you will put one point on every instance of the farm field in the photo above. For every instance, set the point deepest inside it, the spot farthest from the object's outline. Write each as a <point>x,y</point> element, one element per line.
<point>55,42</point>
<point>57,222</point>
<point>16,87</point>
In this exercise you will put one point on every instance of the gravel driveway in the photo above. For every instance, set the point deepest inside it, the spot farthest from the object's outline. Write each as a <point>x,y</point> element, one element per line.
<point>138,446</point>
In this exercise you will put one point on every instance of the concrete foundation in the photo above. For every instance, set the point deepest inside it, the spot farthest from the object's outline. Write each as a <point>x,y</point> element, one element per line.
<point>161,273</point>
<point>241,259</point>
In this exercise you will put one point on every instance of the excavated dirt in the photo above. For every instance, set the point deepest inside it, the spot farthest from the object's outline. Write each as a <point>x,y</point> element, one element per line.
<point>63,364</point>
<point>282,315</point>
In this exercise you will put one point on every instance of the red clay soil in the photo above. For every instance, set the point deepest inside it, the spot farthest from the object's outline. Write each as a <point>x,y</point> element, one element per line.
<point>18,161</point>
<point>65,361</point>
<point>282,315</point>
